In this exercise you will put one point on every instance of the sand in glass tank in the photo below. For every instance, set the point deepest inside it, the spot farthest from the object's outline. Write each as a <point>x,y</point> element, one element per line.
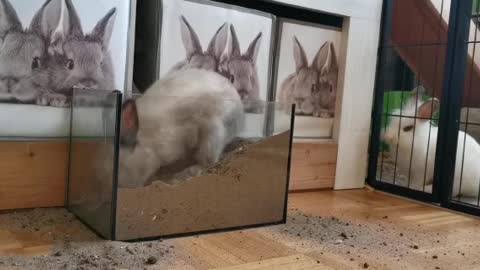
<point>244,188</point>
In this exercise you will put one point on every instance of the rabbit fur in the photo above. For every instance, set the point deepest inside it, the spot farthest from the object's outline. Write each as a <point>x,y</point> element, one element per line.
<point>42,64</point>
<point>312,88</point>
<point>23,60</point>
<point>402,132</point>
<point>79,60</point>
<point>195,56</point>
<point>241,70</point>
<point>189,113</point>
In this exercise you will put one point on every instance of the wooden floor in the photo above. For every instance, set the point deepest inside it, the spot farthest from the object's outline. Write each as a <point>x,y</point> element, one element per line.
<point>358,229</point>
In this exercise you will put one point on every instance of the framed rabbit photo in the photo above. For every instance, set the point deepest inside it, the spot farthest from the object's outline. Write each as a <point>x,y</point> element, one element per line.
<point>49,47</point>
<point>306,75</point>
<point>233,41</point>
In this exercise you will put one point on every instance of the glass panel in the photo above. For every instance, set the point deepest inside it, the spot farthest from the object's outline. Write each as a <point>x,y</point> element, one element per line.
<point>193,168</point>
<point>92,158</point>
<point>410,115</point>
<point>415,22</point>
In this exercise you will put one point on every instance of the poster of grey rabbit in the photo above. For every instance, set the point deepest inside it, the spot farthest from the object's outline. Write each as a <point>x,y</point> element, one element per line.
<point>307,75</point>
<point>48,47</point>
<point>233,41</point>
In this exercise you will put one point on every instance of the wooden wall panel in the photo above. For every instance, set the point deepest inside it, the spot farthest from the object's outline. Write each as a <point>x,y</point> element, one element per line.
<point>313,166</point>
<point>32,174</point>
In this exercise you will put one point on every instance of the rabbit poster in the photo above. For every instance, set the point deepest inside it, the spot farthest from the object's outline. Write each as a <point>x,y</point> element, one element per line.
<point>232,41</point>
<point>48,47</point>
<point>307,75</point>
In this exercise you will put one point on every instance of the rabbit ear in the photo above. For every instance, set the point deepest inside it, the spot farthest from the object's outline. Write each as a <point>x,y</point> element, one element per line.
<point>190,39</point>
<point>219,42</point>
<point>427,109</point>
<point>419,90</point>
<point>104,28</point>
<point>326,59</point>
<point>8,19</point>
<point>415,97</point>
<point>56,20</point>
<point>129,121</point>
<point>47,18</point>
<point>299,55</point>
<point>252,51</point>
<point>235,44</point>
<point>75,26</point>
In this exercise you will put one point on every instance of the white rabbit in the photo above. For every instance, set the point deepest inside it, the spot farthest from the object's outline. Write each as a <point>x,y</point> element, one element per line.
<point>79,60</point>
<point>195,56</point>
<point>23,60</point>
<point>400,131</point>
<point>189,114</point>
<point>241,70</point>
<point>471,115</point>
<point>312,88</point>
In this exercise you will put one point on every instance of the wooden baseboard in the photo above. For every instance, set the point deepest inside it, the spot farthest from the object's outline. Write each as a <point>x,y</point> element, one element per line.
<point>313,166</point>
<point>32,174</point>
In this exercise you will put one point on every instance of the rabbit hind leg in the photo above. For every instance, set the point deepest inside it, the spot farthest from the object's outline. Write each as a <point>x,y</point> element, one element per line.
<point>211,144</point>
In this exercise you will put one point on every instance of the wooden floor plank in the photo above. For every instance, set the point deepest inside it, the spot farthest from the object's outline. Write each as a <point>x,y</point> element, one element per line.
<point>387,234</point>
<point>293,262</point>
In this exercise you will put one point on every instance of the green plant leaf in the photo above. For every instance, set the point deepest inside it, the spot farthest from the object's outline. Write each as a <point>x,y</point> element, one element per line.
<point>393,100</point>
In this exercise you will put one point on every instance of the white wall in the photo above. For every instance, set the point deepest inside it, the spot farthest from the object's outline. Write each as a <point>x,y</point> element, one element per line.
<point>361,9</point>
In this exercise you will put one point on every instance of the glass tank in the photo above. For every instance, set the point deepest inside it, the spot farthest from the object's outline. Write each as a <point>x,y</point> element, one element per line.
<point>138,173</point>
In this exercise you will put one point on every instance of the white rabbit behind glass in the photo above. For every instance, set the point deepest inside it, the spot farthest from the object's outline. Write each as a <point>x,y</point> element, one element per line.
<point>416,140</point>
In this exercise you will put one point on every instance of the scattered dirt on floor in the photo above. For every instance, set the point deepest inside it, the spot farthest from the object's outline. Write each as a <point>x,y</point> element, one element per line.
<point>379,244</point>
<point>71,245</point>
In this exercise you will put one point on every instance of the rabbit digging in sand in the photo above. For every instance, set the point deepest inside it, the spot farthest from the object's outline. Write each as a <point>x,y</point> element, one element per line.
<point>312,88</point>
<point>406,131</point>
<point>189,113</point>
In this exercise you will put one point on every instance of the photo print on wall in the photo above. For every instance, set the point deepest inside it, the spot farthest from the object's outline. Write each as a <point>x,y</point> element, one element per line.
<point>47,48</point>
<point>307,75</point>
<point>235,42</point>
